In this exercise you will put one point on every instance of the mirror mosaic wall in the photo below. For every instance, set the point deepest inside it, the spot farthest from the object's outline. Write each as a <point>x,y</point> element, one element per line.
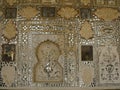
<point>59,43</point>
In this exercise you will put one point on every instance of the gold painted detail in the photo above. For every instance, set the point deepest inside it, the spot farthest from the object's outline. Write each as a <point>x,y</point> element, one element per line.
<point>11,2</point>
<point>48,69</point>
<point>86,30</point>
<point>85,2</point>
<point>8,75</point>
<point>28,12</point>
<point>10,31</point>
<point>107,14</point>
<point>67,12</point>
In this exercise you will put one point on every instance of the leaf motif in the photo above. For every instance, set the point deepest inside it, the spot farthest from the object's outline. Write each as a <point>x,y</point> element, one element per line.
<point>10,30</point>
<point>11,2</point>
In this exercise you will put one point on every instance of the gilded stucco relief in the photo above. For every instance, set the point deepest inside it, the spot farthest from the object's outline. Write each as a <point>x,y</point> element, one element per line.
<point>26,12</point>
<point>8,74</point>
<point>67,12</point>
<point>85,28</point>
<point>11,2</point>
<point>107,14</point>
<point>10,31</point>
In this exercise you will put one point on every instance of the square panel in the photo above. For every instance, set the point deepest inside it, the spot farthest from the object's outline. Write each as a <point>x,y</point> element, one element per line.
<point>48,11</point>
<point>87,53</point>
<point>8,52</point>
<point>10,13</point>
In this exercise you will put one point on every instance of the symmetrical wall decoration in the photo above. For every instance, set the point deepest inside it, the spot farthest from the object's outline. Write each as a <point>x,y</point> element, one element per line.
<point>60,43</point>
<point>67,12</point>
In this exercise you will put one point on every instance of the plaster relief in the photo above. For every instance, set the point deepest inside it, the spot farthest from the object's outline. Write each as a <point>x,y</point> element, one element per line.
<point>108,14</point>
<point>26,12</point>
<point>86,27</point>
<point>48,68</point>
<point>67,12</point>
<point>10,31</point>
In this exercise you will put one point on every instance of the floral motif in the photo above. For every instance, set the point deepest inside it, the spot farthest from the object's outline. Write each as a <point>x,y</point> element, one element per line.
<point>67,12</point>
<point>107,14</point>
<point>85,2</point>
<point>28,12</point>
<point>10,31</point>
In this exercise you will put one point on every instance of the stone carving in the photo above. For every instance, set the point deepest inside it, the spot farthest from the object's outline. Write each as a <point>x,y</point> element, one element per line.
<point>48,68</point>
<point>107,14</point>
<point>67,12</point>
<point>109,64</point>
<point>85,13</point>
<point>8,74</point>
<point>26,12</point>
<point>10,31</point>
<point>11,2</point>
<point>86,27</point>
<point>107,32</point>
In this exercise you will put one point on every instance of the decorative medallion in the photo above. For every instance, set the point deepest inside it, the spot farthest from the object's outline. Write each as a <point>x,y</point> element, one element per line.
<point>28,12</point>
<point>67,12</point>
<point>11,2</point>
<point>86,27</point>
<point>48,68</point>
<point>109,71</point>
<point>10,31</point>
<point>108,14</point>
<point>8,74</point>
<point>85,2</point>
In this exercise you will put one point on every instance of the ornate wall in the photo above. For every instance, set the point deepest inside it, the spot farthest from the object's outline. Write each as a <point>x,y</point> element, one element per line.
<point>60,43</point>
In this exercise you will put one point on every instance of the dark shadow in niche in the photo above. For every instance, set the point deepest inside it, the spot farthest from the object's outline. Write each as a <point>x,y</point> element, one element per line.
<point>87,53</point>
<point>85,13</point>
<point>10,13</point>
<point>48,11</point>
<point>8,52</point>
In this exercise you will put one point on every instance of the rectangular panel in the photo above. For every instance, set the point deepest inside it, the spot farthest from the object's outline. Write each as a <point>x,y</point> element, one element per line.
<point>48,11</point>
<point>86,53</point>
<point>8,52</point>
